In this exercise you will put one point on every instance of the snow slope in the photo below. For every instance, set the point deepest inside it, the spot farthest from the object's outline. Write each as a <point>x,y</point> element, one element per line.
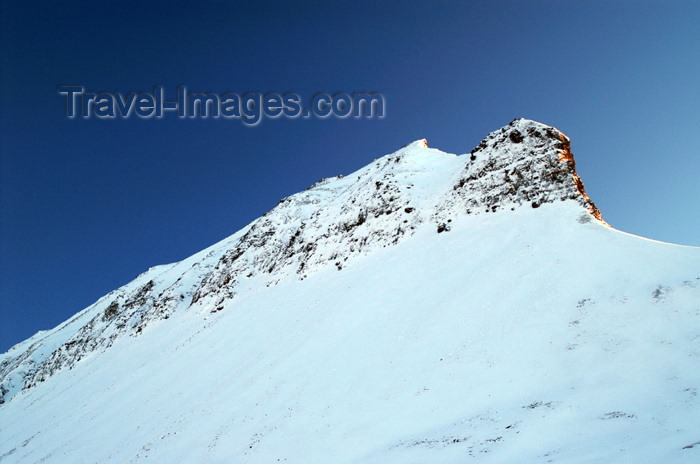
<point>429,308</point>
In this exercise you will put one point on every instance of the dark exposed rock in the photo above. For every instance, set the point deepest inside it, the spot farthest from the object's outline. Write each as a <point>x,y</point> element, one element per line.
<point>515,136</point>
<point>534,168</point>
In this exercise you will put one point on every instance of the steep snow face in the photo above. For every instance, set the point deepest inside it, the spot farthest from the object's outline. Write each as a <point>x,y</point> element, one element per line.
<point>480,301</point>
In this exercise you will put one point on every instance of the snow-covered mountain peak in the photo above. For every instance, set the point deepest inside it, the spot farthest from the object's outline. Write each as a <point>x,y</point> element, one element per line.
<point>338,219</point>
<point>420,143</point>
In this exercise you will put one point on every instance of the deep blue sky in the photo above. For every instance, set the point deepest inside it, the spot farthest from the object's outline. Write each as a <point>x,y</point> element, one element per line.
<point>87,204</point>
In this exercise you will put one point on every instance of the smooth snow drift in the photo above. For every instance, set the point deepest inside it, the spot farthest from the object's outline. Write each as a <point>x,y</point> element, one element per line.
<point>428,308</point>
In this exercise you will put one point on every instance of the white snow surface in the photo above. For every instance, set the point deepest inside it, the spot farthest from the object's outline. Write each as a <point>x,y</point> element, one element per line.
<point>525,331</point>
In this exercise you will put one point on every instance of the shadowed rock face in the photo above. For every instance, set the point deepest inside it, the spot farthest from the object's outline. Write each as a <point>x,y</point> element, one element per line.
<point>524,164</point>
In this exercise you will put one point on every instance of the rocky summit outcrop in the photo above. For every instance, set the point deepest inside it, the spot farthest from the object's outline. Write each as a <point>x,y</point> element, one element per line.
<point>524,164</point>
